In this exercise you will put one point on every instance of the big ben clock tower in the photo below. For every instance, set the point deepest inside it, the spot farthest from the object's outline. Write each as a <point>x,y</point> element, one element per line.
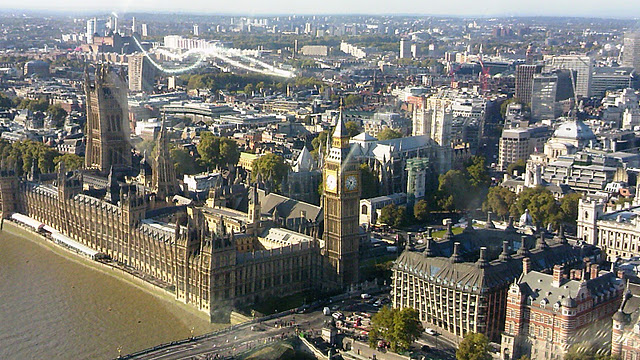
<point>340,203</point>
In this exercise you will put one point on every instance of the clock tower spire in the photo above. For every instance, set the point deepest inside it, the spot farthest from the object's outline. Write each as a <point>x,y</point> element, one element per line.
<point>341,201</point>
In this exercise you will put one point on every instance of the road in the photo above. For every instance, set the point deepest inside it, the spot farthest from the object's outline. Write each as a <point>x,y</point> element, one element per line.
<point>247,337</point>
<point>239,340</point>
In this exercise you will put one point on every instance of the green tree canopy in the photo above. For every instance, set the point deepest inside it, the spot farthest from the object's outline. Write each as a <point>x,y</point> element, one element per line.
<point>519,166</point>
<point>541,204</point>
<point>353,128</point>
<point>454,189</point>
<point>400,327</point>
<point>477,173</point>
<point>34,105</point>
<point>270,167</point>
<point>474,346</point>
<point>369,181</point>
<point>58,114</point>
<point>217,152</point>
<point>421,210</point>
<point>184,163</point>
<point>499,200</point>
<point>352,100</point>
<point>23,153</point>
<point>5,101</point>
<point>71,161</point>
<point>393,215</point>
<point>569,208</point>
<point>388,134</point>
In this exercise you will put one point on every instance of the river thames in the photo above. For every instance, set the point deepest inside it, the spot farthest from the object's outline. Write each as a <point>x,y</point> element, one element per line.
<point>52,307</point>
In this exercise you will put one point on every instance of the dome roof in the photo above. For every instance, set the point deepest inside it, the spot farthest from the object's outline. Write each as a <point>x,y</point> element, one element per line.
<point>574,130</point>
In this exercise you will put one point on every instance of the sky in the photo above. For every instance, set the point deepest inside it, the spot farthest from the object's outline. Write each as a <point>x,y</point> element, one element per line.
<point>580,8</point>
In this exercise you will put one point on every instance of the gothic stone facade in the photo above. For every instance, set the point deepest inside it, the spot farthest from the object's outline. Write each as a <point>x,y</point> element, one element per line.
<point>205,268</point>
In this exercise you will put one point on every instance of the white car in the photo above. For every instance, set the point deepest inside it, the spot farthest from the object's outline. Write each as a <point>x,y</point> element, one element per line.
<point>430,331</point>
<point>365,296</point>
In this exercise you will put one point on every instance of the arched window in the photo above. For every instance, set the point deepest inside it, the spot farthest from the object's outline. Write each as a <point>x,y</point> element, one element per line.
<point>586,215</point>
<point>364,209</point>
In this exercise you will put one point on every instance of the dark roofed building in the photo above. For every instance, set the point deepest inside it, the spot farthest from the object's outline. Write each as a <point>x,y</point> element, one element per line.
<point>460,284</point>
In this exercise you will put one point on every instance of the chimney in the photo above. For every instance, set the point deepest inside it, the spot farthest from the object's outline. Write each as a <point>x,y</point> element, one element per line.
<point>505,255</point>
<point>594,271</point>
<point>482,260</point>
<point>587,266</point>
<point>489,224</point>
<point>523,250</point>
<point>449,233</point>
<point>541,243</point>
<point>578,275</point>
<point>526,265</point>
<point>428,249</point>
<point>621,275</point>
<point>455,257</point>
<point>572,274</point>
<point>557,275</point>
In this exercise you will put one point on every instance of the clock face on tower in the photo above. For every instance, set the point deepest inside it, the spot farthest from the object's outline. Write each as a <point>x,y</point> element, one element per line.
<point>332,182</point>
<point>351,183</point>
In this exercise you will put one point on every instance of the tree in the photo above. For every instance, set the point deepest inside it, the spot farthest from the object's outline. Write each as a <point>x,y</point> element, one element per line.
<point>217,152</point>
<point>369,181</point>
<point>270,167</point>
<point>569,208</point>
<point>454,190</point>
<point>393,215</point>
<point>34,105</point>
<point>421,210</point>
<point>400,327</point>
<point>519,166</point>
<point>184,163</point>
<point>58,114</point>
<point>352,100</point>
<point>71,161</point>
<point>474,346</point>
<point>541,204</point>
<point>499,200</point>
<point>248,89</point>
<point>5,101</point>
<point>388,134</point>
<point>477,173</point>
<point>353,128</point>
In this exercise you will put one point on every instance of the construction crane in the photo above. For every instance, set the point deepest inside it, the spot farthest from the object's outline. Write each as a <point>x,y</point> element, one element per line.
<point>484,74</point>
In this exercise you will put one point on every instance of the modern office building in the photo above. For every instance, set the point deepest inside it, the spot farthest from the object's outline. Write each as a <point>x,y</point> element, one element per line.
<point>631,52</point>
<point>141,73</point>
<point>405,49</point>
<point>524,81</point>
<point>582,65</point>
<point>517,144</point>
<point>610,78</point>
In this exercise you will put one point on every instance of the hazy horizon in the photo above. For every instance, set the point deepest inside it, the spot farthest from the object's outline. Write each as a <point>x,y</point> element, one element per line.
<point>489,8</point>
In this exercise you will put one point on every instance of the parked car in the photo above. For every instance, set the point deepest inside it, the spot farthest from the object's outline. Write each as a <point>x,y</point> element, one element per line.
<point>365,296</point>
<point>430,331</point>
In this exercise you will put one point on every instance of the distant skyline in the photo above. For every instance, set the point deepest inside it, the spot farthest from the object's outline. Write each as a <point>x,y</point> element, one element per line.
<point>587,8</point>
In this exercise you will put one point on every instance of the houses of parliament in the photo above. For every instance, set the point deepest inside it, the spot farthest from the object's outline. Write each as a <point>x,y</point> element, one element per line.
<point>212,257</point>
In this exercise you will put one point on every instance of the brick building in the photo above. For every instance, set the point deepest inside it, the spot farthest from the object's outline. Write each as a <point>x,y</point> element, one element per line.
<point>547,313</point>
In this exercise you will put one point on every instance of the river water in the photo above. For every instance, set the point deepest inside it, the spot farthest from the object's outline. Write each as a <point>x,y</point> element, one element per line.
<point>53,307</point>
